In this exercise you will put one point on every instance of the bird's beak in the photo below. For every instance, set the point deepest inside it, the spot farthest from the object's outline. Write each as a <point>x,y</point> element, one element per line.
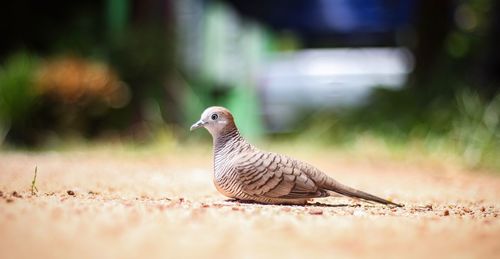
<point>198,124</point>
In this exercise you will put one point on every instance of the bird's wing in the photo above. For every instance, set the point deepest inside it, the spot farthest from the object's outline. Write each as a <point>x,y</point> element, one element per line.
<point>272,175</point>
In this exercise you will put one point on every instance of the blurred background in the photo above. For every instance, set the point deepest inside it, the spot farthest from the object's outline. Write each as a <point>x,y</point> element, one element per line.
<point>328,72</point>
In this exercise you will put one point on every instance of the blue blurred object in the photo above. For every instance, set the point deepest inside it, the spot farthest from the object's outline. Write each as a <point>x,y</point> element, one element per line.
<point>328,18</point>
<point>364,15</point>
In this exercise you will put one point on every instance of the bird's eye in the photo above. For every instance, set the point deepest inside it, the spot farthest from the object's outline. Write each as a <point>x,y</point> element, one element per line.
<point>214,116</point>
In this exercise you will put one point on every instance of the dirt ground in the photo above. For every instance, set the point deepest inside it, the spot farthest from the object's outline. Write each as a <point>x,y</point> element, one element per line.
<point>108,203</point>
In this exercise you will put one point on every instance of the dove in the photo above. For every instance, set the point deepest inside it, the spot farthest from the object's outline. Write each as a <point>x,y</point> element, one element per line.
<point>245,173</point>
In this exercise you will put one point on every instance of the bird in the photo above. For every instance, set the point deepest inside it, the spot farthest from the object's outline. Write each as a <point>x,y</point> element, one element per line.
<point>244,173</point>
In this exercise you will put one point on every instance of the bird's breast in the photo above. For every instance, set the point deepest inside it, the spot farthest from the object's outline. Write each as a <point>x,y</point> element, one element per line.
<point>220,188</point>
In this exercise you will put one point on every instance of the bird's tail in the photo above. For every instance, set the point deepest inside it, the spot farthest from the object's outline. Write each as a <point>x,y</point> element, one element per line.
<point>337,187</point>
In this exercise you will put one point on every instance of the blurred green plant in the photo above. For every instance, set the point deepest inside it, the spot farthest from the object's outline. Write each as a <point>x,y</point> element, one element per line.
<point>466,125</point>
<point>477,129</point>
<point>34,190</point>
<point>17,96</point>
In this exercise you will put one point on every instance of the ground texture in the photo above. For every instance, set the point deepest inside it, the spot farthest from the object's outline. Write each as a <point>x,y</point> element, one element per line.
<point>162,204</point>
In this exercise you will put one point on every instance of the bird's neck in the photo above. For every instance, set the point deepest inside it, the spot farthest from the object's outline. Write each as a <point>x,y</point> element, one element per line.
<point>228,144</point>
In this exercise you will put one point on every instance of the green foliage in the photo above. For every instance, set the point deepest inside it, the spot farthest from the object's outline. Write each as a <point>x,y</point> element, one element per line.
<point>17,95</point>
<point>144,59</point>
<point>467,125</point>
<point>476,129</point>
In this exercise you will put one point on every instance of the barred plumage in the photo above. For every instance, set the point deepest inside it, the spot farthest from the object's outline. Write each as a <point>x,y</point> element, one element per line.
<point>244,172</point>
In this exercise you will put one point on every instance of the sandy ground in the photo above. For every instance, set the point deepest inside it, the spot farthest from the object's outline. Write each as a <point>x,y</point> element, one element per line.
<point>162,204</point>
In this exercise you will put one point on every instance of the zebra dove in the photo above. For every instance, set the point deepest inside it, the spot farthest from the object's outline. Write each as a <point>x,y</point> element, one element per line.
<point>246,173</point>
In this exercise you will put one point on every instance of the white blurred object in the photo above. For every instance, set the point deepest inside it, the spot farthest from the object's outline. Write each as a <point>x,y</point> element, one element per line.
<point>328,78</point>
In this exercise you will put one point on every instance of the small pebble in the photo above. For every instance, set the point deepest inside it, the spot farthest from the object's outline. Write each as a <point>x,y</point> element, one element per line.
<point>428,206</point>
<point>316,211</point>
<point>483,209</point>
<point>17,195</point>
<point>1,194</point>
<point>9,200</point>
<point>70,192</point>
<point>446,213</point>
<point>161,207</point>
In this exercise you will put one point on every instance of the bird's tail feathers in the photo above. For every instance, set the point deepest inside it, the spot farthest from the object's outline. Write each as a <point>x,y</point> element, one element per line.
<point>351,192</point>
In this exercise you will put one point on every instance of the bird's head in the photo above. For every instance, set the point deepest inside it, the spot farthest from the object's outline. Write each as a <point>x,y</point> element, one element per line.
<point>216,120</point>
